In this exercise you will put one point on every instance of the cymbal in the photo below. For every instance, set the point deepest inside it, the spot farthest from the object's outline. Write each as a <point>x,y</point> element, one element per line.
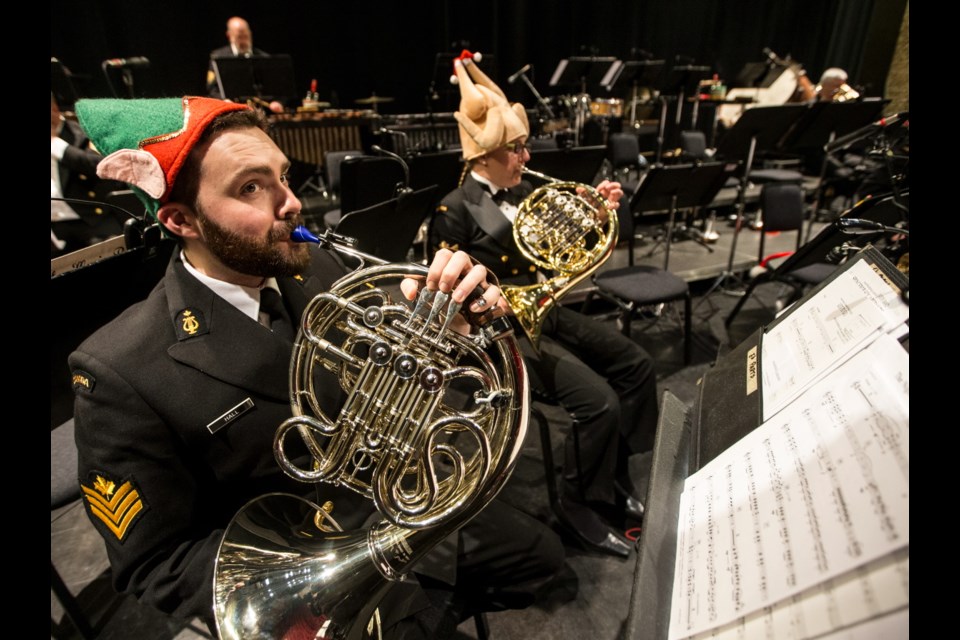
<point>374,100</point>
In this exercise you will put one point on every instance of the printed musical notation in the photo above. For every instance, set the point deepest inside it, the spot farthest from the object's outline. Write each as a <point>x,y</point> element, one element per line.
<point>804,514</point>
<point>844,316</point>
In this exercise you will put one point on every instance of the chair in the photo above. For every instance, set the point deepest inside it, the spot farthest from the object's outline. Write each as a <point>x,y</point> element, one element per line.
<point>635,287</point>
<point>626,163</point>
<point>782,209</point>
<point>331,168</point>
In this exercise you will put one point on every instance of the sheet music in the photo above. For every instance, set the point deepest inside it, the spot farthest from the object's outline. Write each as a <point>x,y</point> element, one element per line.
<point>845,603</point>
<point>854,309</point>
<point>816,492</point>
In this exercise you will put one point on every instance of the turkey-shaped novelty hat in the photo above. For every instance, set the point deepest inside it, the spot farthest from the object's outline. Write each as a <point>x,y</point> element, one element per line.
<point>145,142</point>
<point>487,120</point>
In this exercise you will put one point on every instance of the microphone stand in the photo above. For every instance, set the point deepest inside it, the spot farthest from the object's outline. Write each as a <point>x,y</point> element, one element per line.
<point>540,100</point>
<point>404,187</point>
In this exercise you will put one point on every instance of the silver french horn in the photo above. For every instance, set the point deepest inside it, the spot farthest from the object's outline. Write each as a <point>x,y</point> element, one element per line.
<point>431,428</point>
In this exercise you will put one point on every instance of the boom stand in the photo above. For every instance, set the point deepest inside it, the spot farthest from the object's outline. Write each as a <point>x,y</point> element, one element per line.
<point>757,129</point>
<point>678,186</point>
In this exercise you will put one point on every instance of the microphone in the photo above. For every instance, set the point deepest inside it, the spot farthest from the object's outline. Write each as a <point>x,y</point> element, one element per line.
<point>771,56</point>
<point>845,141</point>
<point>858,226</point>
<point>131,63</point>
<point>519,73</point>
<point>405,186</point>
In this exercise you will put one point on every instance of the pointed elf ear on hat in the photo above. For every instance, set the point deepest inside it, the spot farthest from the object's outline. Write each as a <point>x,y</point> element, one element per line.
<point>146,142</point>
<point>487,120</point>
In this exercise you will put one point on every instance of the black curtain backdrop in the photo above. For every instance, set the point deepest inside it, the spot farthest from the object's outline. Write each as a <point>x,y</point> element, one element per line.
<point>355,49</point>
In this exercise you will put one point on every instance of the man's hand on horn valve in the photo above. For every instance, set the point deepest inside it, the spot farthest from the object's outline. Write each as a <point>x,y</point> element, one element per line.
<point>457,274</point>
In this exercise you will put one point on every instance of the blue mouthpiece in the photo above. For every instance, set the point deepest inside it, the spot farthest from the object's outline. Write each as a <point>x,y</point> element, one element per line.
<point>302,234</point>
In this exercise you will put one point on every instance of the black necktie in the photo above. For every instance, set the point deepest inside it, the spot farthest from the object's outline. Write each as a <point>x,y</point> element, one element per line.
<point>272,306</point>
<point>498,195</point>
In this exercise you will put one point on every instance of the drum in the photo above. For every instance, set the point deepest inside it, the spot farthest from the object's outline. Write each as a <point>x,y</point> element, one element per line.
<point>606,107</point>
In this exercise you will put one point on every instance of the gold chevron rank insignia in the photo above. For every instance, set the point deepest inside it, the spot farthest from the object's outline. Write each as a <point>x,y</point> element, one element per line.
<point>118,507</point>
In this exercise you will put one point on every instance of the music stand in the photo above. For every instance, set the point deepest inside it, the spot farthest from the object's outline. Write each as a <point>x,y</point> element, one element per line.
<point>582,71</point>
<point>388,229</point>
<point>681,81</point>
<point>635,72</point>
<point>578,164</point>
<point>61,84</point>
<point>757,129</point>
<point>678,186</point>
<point>264,77</point>
<point>823,123</point>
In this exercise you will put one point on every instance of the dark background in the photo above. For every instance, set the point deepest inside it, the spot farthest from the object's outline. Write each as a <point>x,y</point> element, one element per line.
<point>355,49</point>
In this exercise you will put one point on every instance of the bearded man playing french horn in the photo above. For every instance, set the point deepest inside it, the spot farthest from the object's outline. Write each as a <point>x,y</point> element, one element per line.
<point>177,400</point>
<point>603,379</point>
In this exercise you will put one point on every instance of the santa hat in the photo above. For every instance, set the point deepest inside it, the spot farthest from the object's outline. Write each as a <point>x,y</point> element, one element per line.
<point>145,142</point>
<point>487,120</point>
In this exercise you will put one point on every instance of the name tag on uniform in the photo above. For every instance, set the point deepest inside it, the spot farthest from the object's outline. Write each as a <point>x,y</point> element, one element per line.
<point>230,416</point>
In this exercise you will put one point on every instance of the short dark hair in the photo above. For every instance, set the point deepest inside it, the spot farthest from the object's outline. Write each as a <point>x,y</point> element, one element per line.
<point>187,184</point>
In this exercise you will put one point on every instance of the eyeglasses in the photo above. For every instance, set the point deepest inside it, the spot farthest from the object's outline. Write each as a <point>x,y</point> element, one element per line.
<point>516,147</point>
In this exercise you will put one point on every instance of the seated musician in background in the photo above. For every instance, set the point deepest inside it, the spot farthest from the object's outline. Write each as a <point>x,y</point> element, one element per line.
<point>240,39</point>
<point>833,86</point>
<point>601,377</point>
<point>158,424</point>
<point>73,174</point>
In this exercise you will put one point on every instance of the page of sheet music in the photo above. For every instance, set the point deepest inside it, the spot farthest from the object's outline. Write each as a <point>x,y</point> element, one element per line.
<point>846,602</point>
<point>840,319</point>
<point>817,491</point>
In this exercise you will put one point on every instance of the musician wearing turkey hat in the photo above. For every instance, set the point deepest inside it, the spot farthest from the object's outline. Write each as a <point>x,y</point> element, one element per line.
<point>604,379</point>
<point>178,400</point>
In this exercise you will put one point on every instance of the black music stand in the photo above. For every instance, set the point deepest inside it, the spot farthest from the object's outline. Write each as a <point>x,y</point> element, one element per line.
<point>678,186</point>
<point>577,164</point>
<point>61,85</point>
<point>387,230</point>
<point>823,123</point>
<point>758,129</point>
<point>636,73</point>
<point>582,71</point>
<point>683,81</point>
<point>264,77</point>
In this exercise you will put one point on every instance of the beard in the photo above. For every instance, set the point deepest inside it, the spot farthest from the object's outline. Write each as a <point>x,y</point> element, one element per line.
<point>260,257</point>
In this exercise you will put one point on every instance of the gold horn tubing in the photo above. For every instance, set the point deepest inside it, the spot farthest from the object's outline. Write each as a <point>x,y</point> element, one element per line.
<point>566,228</point>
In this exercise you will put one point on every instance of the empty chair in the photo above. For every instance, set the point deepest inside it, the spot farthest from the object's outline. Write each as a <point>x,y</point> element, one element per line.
<point>782,209</point>
<point>623,152</point>
<point>637,287</point>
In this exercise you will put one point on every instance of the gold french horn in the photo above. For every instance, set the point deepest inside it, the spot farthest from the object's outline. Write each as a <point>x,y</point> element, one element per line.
<point>567,228</point>
<point>432,427</point>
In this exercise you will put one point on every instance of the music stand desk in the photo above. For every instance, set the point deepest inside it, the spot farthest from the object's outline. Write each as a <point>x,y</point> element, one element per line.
<point>763,128</point>
<point>578,164</point>
<point>586,70</point>
<point>643,73</point>
<point>387,230</point>
<point>678,186</point>
<point>265,77</point>
<point>824,120</point>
